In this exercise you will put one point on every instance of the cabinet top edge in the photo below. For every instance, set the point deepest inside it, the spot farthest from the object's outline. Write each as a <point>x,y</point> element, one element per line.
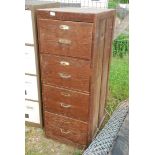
<point>78,10</point>
<point>88,15</point>
<point>29,5</point>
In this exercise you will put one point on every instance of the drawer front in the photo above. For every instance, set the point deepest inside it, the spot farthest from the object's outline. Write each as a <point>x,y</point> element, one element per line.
<point>65,102</point>
<point>80,138</point>
<point>32,112</point>
<point>29,30</point>
<point>65,38</point>
<point>66,123</point>
<point>65,72</point>
<point>30,64</point>
<point>31,88</point>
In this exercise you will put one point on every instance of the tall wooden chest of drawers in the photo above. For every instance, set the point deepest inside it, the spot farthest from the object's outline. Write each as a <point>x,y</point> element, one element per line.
<point>33,106</point>
<point>74,49</point>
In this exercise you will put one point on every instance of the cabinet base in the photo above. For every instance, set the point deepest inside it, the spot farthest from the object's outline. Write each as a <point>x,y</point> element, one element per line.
<point>33,124</point>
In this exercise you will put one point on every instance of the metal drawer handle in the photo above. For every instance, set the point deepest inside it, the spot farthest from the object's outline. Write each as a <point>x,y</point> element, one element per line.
<point>65,105</point>
<point>65,94</point>
<point>64,75</point>
<point>28,82</point>
<point>64,132</point>
<point>28,107</point>
<point>64,27</point>
<point>64,41</point>
<point>64,63</point>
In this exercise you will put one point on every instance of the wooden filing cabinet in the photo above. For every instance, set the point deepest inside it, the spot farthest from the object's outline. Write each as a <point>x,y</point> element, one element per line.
<point>74,51</point>
<point>33,106</point>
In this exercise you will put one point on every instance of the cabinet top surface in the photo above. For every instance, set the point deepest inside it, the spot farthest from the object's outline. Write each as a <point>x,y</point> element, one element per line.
<point>30,4</point>
<point>34,2</point>
<point>78,10</point>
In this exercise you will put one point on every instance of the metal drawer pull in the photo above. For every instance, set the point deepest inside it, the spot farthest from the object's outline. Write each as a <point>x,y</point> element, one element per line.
<point>64,41</point>
<point>64,63</point>
<point>28,107</point>
<point>65,105</point>
<point>64,75</point>
<point>64,132</point>
<point>28,82</point>
<point>65,94</point>
<point>64,27</point>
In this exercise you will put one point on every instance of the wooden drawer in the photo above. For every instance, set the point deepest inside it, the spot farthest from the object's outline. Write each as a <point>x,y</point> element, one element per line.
<point>66,102</point>
<point>80,138</point>
<point>65,72</point>
<point>59,126</point>
<point>64,37</point>
<point>51,119</point>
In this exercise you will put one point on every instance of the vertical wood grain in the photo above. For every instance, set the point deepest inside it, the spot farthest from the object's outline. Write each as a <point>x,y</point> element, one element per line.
<point>97,54</point>
<point>105,70</point>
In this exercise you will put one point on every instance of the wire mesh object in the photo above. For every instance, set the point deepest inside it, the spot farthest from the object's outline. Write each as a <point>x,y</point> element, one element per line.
<point>103,143</point>
<point>86,3</point>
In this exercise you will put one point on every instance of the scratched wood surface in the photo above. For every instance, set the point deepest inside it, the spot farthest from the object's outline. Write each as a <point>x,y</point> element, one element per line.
<point>83,60</point>
<point>78,35</point>
<point>65,102</point>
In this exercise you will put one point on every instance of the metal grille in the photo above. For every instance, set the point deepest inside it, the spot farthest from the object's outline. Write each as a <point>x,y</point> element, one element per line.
<point>86,3</point>
<point>102,144</point>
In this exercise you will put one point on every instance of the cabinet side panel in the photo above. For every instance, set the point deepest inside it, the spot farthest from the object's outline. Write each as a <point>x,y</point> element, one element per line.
<point>105,70</point>
<point>98,43</point>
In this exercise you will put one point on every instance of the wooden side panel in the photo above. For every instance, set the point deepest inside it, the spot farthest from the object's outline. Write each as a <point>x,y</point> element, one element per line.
<point>105,69</point>
<point>99,29</point>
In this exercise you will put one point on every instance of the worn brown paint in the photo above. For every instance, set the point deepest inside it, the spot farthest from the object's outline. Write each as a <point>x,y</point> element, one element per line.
<point>105,68</point>
<point>77,97</point>
<point>78,35</point>
<point>67,128</point>
<point>70,75</point>
<point>66,102</point>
